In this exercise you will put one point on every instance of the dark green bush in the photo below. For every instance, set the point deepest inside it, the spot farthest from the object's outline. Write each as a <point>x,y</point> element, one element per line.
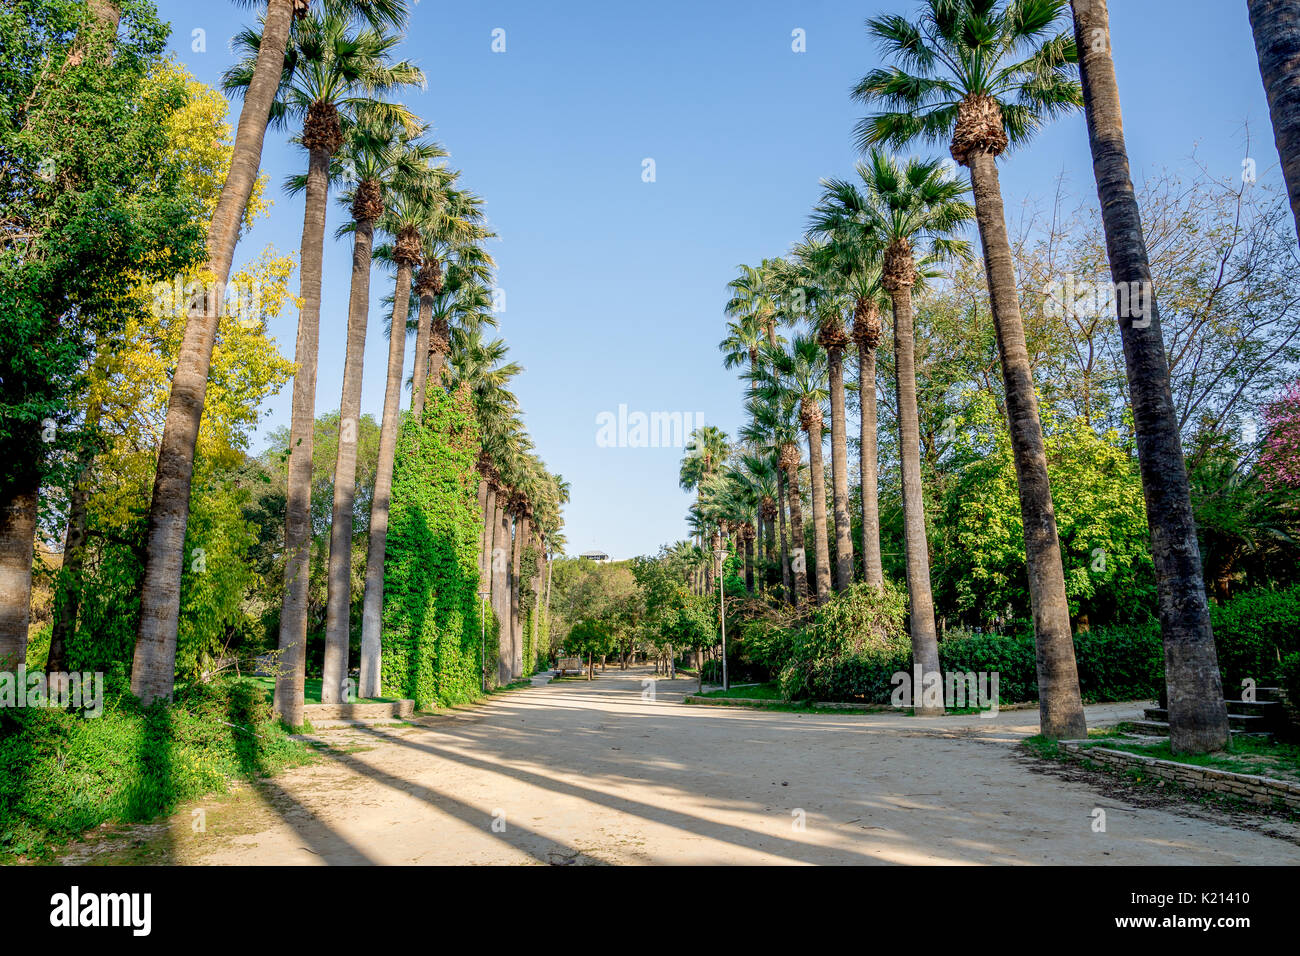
<point>1253,633</point>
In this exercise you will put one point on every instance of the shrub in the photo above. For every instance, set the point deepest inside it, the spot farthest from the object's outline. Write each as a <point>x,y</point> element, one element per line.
<point>1253,633</point>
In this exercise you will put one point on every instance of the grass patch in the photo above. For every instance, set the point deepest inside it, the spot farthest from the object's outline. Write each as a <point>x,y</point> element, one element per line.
<point>62,774</point>
<point>768,691</point>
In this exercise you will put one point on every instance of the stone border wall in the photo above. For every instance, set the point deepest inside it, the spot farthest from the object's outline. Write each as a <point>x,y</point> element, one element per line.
<point>1261,790</point>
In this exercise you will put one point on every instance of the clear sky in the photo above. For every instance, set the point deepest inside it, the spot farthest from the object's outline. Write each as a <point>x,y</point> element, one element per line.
<point>614,286</point>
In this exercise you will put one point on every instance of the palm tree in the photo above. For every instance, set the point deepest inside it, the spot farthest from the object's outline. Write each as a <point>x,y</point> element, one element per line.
<point>856,257</point>
<point>482,368</point>
<point>382,150</point>
<point>153,670</point>
<point>772,426</point>
<point>984,75</point>
<point>903,211</point>
<point>454,241</point>
<point>758,466</point>
<point>408,213</point>
<point>1198,720</point>
<point>814,273</point>
<point>1276,25</point>
<point>706,450</point>
<point>799,377</point>
<point>333,68</point>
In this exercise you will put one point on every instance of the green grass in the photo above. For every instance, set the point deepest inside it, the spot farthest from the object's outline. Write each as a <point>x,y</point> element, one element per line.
<point>62,774</point>
<point>311,691</point>
<point>768,691</point>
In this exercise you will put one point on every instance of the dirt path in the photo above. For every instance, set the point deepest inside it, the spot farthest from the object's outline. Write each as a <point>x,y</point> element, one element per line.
<point>594,773</point>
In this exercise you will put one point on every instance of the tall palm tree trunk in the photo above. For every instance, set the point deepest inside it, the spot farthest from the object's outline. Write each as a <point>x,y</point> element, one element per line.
<point>372,605</point>
<point>1060,707</point>
<point>749,557</point>
<point>153,668</point>
<point>420,375</point>
<point>817,476</point>
<point>291,673</point>
<point>501,585</point>
<point>925,639</point>
<point>798,560</point>
<point>338,600</point>
<point>1276,25</point>
<point>840,466</point>
<point>787,589</point>
<point>866,330</point>
<point>516,595</point>
<point>1198,720</point>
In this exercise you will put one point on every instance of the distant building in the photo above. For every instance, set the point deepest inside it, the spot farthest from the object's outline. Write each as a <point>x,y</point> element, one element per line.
<point>594,555</point>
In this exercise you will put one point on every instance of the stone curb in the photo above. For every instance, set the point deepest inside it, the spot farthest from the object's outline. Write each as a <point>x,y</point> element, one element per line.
<point>1261,790</point>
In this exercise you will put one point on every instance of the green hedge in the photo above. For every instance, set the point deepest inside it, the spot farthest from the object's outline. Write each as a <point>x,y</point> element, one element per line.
<point>432,629</point>
<point>1254,633</point>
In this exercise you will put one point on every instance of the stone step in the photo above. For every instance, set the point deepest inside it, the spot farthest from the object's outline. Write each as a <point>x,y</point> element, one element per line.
<point>1160,728</point>
<point>1261,707</point>
<point>1236,721</point>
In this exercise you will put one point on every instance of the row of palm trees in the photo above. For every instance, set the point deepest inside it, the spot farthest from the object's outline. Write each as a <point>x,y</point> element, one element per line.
<point>981,77</point>
<point>327,69</point>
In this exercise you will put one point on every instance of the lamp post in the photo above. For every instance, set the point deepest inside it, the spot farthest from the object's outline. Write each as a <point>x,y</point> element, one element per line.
<point>482,653</point>
<point>722,600</point>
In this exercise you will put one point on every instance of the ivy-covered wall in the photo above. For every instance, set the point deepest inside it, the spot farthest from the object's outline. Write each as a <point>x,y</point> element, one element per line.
<point>432,629</point>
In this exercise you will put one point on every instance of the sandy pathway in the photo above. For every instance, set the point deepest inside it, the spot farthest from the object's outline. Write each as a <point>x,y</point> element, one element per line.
<point>594,772</point>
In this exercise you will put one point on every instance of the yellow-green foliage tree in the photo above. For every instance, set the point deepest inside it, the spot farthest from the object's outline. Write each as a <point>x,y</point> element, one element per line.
<point>123,407</point>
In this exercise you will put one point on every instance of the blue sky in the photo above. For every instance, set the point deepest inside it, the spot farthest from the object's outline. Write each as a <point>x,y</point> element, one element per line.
<point>614,286</point>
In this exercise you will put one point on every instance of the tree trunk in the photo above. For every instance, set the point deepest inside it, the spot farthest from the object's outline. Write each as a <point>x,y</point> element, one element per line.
<point>872,565</point>
<point>372,606</point>
<point>787,590</point>
<point>798,561</point>
<point>419,377</point>
<point>840,472</point>
<point>817,476</point>
<point>153,670</point>
<point>501,586</point>
<point>516,595</point>
<point>292,673</point>
<point>1198,720</point>
<point>1276,25</point>
<point>338,601</point>
<point>1060,707</point>
<point>749,561</point>
<point>17,547</point>
<point>925,639</point>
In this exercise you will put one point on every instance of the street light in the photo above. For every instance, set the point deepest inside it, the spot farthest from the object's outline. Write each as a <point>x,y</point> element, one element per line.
<point>482,653</point>
<point>722,598</point>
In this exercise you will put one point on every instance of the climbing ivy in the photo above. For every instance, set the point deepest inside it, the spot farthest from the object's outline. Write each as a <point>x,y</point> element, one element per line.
<point>432,629</point>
